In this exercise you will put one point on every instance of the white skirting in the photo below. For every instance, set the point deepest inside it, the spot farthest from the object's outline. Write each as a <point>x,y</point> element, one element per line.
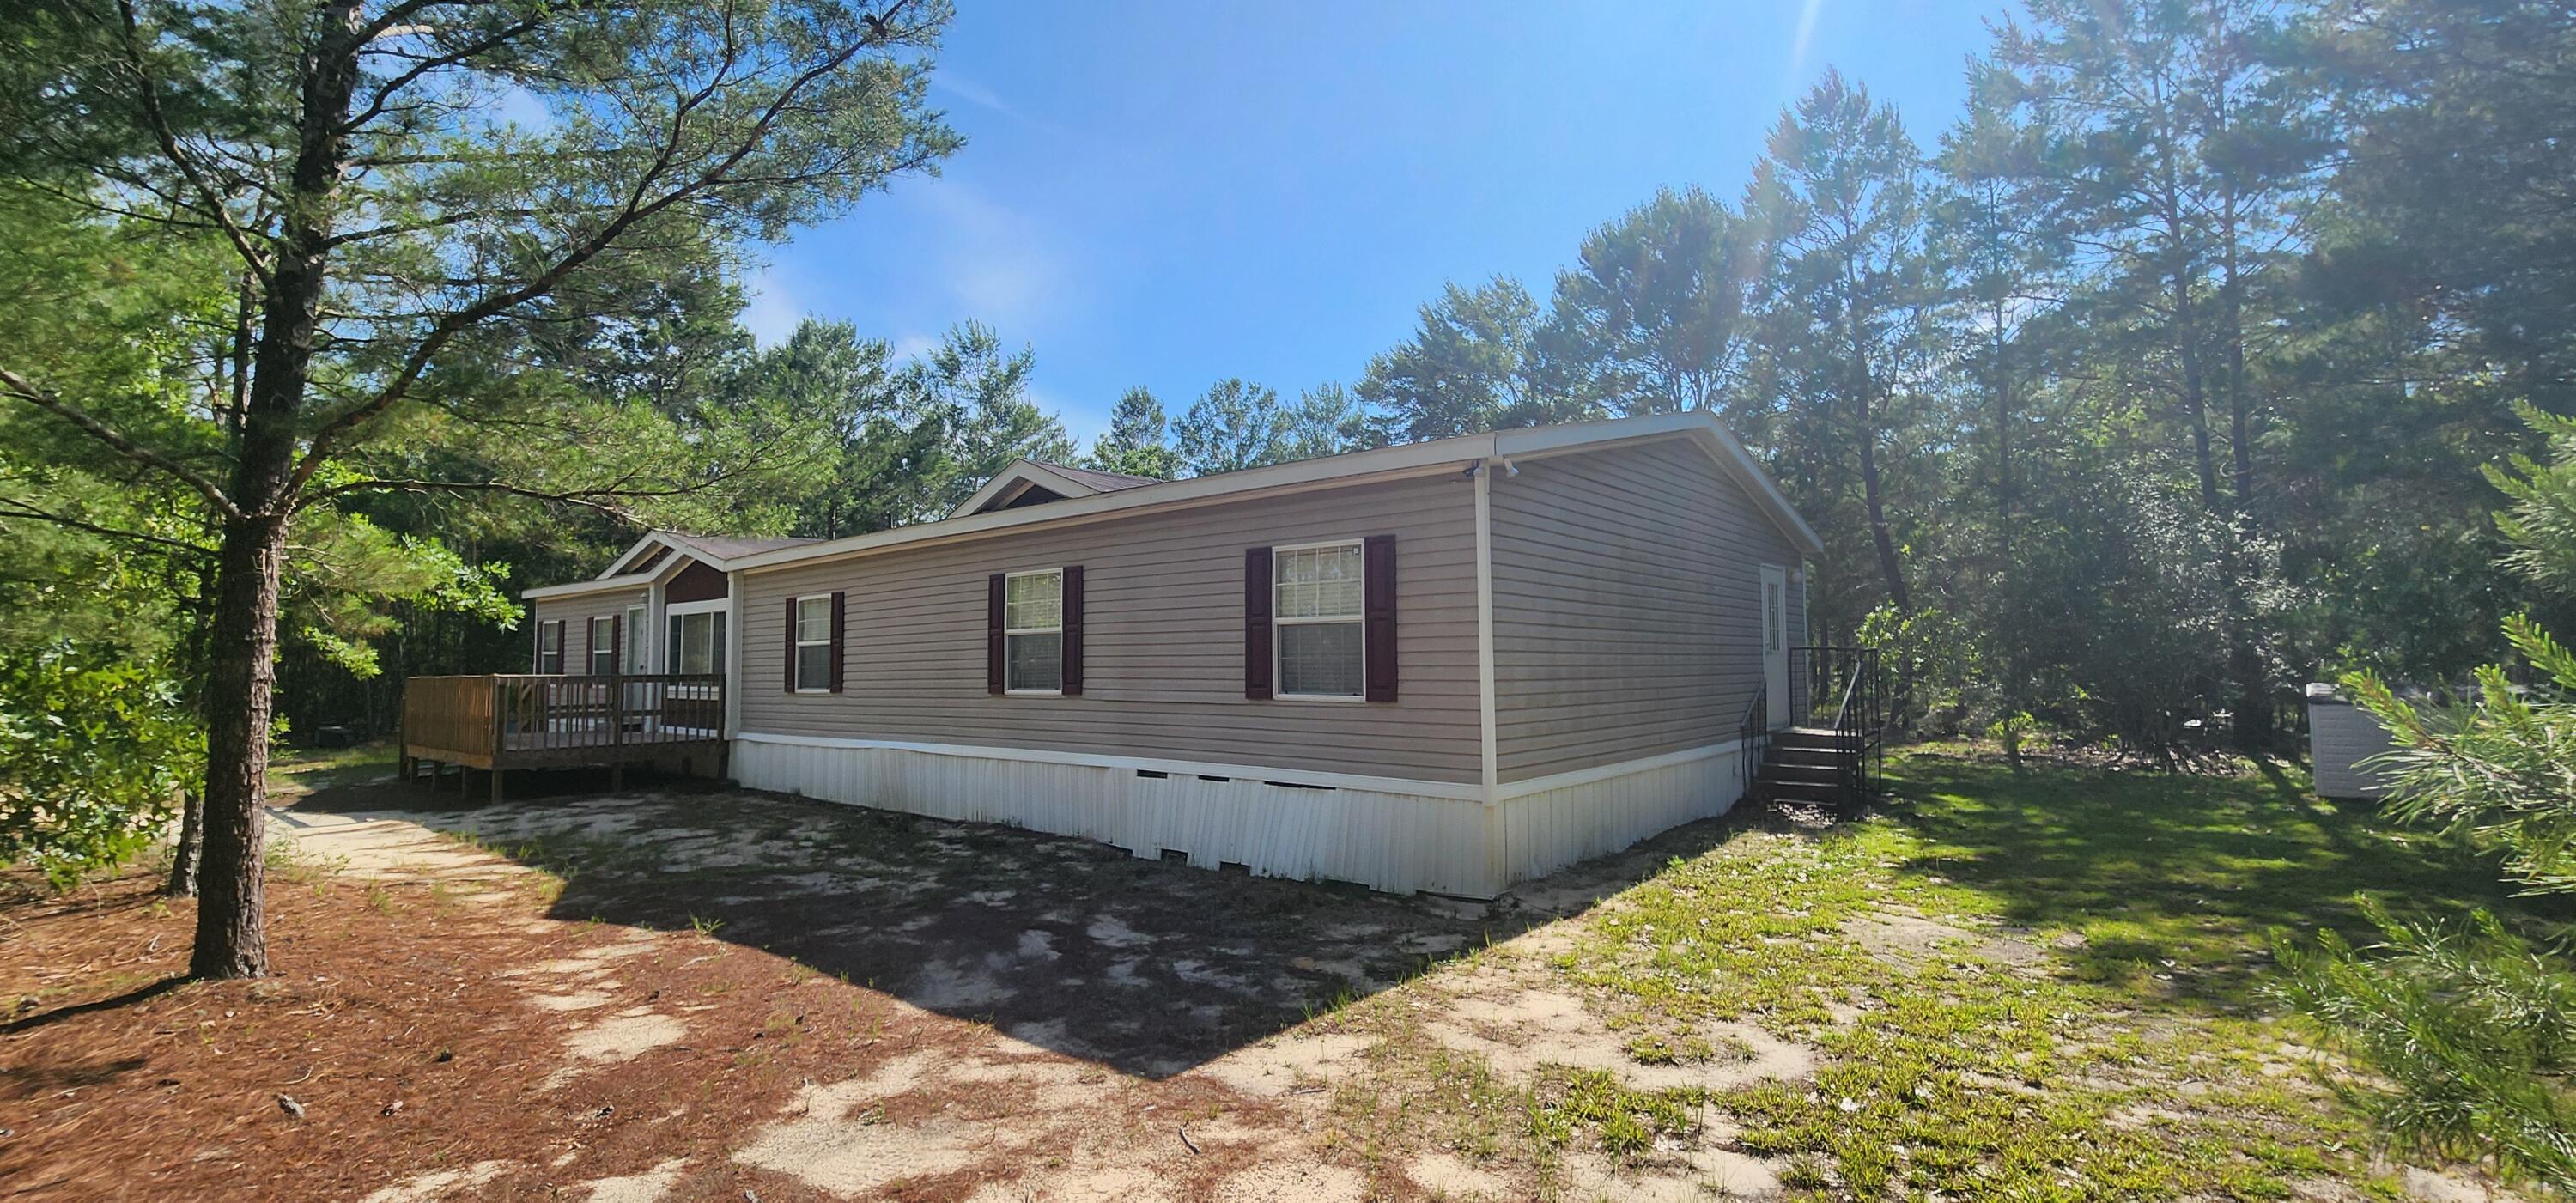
<point>1554,822</point>
<point>1388,834</point>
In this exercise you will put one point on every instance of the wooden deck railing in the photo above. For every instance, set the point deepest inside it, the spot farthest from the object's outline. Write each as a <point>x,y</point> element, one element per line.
<point>504,721</point>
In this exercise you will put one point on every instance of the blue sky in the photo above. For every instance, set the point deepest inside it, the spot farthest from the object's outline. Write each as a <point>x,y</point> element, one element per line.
<point>1171,193</point>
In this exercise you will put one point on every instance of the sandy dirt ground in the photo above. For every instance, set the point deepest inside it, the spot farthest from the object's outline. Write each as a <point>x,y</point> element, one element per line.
<point>692,995</point>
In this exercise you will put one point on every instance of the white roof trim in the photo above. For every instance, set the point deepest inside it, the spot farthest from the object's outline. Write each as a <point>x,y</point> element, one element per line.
<point>604,584</point>
<point>1016,478</point>
<point>651,538</point>
<point>1414,459</point>
<point>611,579</point>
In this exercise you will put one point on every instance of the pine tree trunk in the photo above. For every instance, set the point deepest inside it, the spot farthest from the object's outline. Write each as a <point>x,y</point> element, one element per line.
<point>190,849</point>
<point>241,677</point>
<point>231,940</point>
<point>1879,534</point>
<point>2252,727</point>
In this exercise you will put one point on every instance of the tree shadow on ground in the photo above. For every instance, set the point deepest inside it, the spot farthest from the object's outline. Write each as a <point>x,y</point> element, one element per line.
<point>1147,967</point>
<point>2175,880</point>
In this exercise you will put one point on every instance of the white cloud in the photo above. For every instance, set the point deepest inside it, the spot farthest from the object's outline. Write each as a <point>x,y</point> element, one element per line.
<point>946,79</point>
<point>997,263</point>
<point>1805,38</point>
<point>770,308</point>
<point>912,346</point>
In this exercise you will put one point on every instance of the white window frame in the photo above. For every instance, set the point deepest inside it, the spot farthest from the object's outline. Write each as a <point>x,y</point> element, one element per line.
<point>797,643</point>
<point>1008,631</point>
<point>720,607</point>
<point>557,626</point>
<point>1278,679</point>
<point>591,653</point>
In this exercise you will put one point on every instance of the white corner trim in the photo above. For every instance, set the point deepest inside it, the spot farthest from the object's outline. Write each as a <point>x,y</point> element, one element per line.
<point>1490,752</point>
<point>1604,772</point>
<point>734,640</point>
<point>1392,785</point>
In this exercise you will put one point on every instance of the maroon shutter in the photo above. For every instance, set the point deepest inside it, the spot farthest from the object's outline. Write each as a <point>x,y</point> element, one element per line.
<point>839,625</point>
<point>1377,615</point>
<point>1072,630</point>
<point>1256,622</point>
<point>789,638</point>
<point>616,643</point>
<point>993,635</point>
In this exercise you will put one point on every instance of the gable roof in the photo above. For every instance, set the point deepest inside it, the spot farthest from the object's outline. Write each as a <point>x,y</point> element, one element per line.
<point>646,560</point>
<point>726,547</point>
<point>1064,480</point>
<point>974,519</point>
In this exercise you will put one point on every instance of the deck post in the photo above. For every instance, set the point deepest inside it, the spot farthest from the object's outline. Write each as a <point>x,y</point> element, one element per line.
<point>617,732</point>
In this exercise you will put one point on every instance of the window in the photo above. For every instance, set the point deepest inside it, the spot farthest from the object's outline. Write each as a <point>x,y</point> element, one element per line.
<point>1316,613</point>
<point>698,642</point>
<point>1033,631</point>
<point>814,644</point>
<point>632,655</point>
<point>550,646</point>
<point>603,646</point>
<point>1771,616</point>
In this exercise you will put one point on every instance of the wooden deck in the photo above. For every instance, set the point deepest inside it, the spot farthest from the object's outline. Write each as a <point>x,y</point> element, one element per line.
<point>496,723</point>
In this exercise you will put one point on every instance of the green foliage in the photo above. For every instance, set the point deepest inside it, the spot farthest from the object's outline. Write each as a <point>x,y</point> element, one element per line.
<point>2469,1025</point>
<point>1238,425</point>
<point>1133,444</point>
<point>1472,365</point>
<point>94,749</point>
<point>2541,521</point>
<point>2471,1029</point>
<point>1653,315</point>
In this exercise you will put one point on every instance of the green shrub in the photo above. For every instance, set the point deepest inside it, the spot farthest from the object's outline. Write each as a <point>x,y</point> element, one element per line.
<point>94,749</point>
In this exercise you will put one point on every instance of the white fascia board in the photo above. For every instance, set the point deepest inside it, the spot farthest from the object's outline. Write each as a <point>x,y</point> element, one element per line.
<point>652,538</point>
<point>605,584</point>
<point>1021,472</point>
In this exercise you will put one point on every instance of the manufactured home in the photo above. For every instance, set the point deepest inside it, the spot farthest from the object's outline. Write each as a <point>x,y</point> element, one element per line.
<point>1448,666</point>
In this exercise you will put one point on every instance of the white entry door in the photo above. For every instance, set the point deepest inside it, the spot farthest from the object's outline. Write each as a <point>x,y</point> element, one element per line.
<point>1775,643</point>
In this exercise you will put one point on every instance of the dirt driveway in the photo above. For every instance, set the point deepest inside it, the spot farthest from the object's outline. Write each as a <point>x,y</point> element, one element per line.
<point>954,1011</point>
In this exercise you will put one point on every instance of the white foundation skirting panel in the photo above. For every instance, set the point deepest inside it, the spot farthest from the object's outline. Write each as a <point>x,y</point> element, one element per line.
<point>1379,836</point>
<point>1547,828</point>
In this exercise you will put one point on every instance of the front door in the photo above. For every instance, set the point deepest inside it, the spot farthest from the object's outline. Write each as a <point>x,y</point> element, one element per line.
<point>1775,644</point>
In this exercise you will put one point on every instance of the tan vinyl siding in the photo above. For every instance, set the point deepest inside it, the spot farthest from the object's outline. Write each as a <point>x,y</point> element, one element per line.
<point>576,613</point>
<point>1627,595</point>
<point>1163,635</point>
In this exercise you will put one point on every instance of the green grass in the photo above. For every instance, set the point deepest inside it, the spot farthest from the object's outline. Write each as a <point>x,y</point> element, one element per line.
<point>307,769</point>
<point>2131,1051</point>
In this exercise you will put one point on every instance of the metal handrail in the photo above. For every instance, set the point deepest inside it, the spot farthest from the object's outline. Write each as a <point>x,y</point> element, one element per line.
<point>1858,725</point>
<point>1754,738</point>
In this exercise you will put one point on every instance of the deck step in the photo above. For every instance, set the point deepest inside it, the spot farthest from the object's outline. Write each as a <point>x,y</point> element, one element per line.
<point>1801,756</point>
<point>1803,774</point>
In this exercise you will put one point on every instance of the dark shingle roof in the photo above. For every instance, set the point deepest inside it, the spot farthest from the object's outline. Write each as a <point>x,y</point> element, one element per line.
<point>726,547</point>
